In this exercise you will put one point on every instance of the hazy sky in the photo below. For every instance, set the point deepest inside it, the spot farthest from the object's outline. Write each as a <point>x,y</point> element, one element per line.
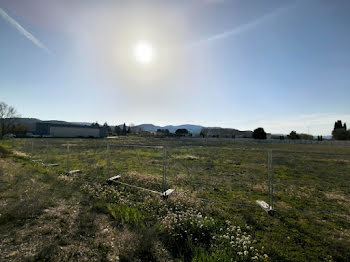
<point>282,65</point>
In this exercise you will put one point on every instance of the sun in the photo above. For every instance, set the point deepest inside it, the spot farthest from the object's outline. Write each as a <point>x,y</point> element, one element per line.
<point>143,53</point>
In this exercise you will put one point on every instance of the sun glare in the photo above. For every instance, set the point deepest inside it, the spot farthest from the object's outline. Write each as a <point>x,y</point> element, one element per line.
<point>144,53</point>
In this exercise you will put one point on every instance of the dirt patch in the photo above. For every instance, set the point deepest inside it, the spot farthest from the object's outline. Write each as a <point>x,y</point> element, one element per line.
<point>34,237</point>
<point>107,235</point>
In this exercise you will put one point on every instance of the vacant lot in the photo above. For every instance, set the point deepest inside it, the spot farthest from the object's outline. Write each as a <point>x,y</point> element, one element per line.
<point>212,216</point>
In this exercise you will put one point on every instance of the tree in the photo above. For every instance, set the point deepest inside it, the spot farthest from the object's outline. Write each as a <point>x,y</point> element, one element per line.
<point>259,133</point>
<point>7,115</point>
<point>293,135</point>
<point>163,132</point>
<point>339,132</point>
<point>181,132</point>
<point>338,124</point>
<point>19,130</point>
<point>95,124</point>
<point>117,130</point>
<point>109,129</point>
<point>124,130</point>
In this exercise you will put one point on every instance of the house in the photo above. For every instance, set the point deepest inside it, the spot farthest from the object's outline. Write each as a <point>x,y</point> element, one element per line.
<point>70,130</point>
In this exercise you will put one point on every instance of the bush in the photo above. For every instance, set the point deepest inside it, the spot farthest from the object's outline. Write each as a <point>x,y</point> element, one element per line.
<point>186,229</point>
<point>259,133</point>
<point>181,132</point>
<point>4,152</point>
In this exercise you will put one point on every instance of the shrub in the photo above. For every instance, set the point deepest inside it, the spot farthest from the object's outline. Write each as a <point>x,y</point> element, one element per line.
<point>185,229</point>
<point>4,152</point>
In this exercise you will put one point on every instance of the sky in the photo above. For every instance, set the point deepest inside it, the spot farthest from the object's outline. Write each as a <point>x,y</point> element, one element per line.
<point>280,65</point>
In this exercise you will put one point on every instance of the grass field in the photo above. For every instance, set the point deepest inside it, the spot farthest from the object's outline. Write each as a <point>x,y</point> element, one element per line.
<point>212,216</point>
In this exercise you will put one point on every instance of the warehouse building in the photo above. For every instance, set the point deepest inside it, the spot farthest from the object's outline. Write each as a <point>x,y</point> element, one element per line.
<point>70,130</point>
<point>225,133</point>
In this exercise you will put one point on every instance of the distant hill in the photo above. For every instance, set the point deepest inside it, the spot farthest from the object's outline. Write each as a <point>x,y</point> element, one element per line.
<point>194,129</point>
<point>148,127</point>
<point>82,123</point>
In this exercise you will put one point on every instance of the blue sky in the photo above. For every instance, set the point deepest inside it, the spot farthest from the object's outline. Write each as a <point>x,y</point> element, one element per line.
<point>282,65</point>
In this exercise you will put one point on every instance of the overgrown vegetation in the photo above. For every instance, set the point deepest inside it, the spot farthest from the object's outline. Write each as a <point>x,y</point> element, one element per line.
<point>47,215</point>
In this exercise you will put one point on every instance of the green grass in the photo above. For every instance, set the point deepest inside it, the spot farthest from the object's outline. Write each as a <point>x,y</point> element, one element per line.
<point>306,178</point>
<point>126,215</point>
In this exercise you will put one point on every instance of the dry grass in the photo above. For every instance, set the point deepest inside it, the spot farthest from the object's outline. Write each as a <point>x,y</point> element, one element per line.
<point>66,218</point>
<point>20,154</point>
<point>188,157</point>
<point>40,226</point>
<point>260,187</point>
<point>336,196</point>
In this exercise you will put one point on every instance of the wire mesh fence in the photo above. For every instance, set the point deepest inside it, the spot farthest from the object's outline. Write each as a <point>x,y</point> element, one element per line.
<point>312,181</point>
<point>142,166</point>
<point>231,175</point>
<point>309,180</point>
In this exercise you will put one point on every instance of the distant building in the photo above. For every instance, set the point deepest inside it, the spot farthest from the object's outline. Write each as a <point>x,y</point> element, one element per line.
<point>69,130</point>
<point>225,133</point>
<point>146,133</point>
<point>135,130</point>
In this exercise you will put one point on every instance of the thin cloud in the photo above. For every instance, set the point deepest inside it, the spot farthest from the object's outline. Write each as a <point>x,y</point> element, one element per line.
<point>24,32</point>
<point>243,28</point>
<point>214,1</point>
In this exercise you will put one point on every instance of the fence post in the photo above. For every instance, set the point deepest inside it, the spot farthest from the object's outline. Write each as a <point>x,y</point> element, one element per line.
<point>79,148</point>
<point>164,169</point>
<point>108,159</point>
<point>25,148</point>
<point>67,157</point>
<point>270,171</point>
<point>47,153</point>
<point>31,154</point>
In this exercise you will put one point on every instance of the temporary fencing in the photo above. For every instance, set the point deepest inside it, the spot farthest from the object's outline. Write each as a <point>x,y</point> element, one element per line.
<point>229,175</point>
